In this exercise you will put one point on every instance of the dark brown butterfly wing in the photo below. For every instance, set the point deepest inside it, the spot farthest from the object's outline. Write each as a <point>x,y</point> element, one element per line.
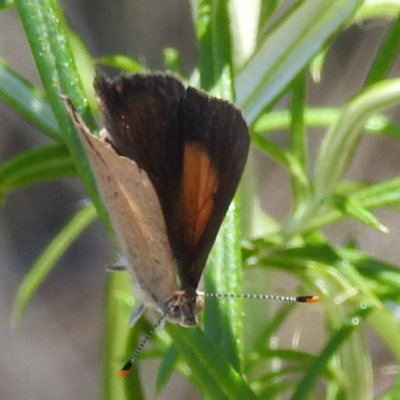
<point>193,148</point>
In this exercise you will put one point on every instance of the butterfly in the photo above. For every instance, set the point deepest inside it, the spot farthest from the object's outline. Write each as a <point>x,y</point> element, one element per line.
<point>167,166</point>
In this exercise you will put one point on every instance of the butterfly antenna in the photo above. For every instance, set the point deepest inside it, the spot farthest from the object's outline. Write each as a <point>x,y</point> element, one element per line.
<point>127,367</point>
<point>293,299</point>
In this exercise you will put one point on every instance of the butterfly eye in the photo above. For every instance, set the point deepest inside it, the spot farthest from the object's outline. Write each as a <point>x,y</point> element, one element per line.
<point>176,309</point>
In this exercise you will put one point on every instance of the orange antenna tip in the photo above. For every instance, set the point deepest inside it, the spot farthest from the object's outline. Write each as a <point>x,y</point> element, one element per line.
<point>125,370</point>
<point>308,299</point>
<point>123,373</point>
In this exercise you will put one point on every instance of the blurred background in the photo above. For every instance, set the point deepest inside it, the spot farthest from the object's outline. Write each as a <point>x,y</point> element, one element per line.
<point>57,346</point>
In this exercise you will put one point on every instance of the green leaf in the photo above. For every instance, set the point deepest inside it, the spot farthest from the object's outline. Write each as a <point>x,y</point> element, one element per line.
<point>267,10</point>
<point>85,65</point>
<point>34,166</point>
<point>117,335</point>
<point>214,374</point>
<point>286,51</point>
<point>28,100</point>
<point>339,145</point>
<point>379,194</point>
<point>387,326</point>
<point>6,3</point>
<point>283,157</point>
<point>298,138</point>
<point>43,25</point>
<point>317,64</point>
<point>308,381</point>
<point>172,60</point>
<point>222,320</point>
<point>122,62</point>
<point>386,56</point>
<point>215,47</point>
<point>373,196</point>
<point>278,120</point>
<point>49,258</point>
<point>351,207</point>
<point>346,289</point>
<point>244,29</point>
<point>322,117</point>
<point>377,9</point>
<point>385,276</point>
<point>166,368</point>
<point>337,151</point>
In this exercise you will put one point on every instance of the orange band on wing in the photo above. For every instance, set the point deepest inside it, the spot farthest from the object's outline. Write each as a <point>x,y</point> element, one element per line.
<point>198,186</point>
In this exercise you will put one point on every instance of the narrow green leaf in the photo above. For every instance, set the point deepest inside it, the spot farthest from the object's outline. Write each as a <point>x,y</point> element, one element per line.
<point>283,157</point>
<point>279,389</point>
<point>244,29</point>
<point>223,322</point>
<point>317,64</point>
<point>322,117</point>
<point>289,355</point>
<point>49,258</point>
<point>43,25</point>
<point>166,368</point>
<point>263,340</point>
<point>373,196</point>
<point>6,3</point>
<point>384,322</point>
<point>28,100</point>
<point>309,380</point>
<point>278,120</point>
<point>267,10</point>
<point>379,194</point>
<point>386,55</point>
<point>300,35</point>
<point>117,335</point>
<point>172,60</point>
<point>85,64</point>
<point>215,47</point>
<point>122,62</point>
<point>213,371</point>
<point>351,207</point>
<point>297,109</point>
<point>377,9</point>
<point>337,151</point>
<point>311,260</point>
<point>46,34</point>
<point>343,278</point>
<point>356,363</point>
<point>282,374</point>
<point>34,166</point>
<point>386,277</point>
<point>341,142</point>
<point>298,138</point>
<point>384,126</point>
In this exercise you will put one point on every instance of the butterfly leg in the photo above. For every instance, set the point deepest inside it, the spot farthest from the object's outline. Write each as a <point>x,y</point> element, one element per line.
<point>137,313</point>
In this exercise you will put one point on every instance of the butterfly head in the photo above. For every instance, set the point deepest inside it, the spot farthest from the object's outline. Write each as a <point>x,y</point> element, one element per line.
<point>184,307</point>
